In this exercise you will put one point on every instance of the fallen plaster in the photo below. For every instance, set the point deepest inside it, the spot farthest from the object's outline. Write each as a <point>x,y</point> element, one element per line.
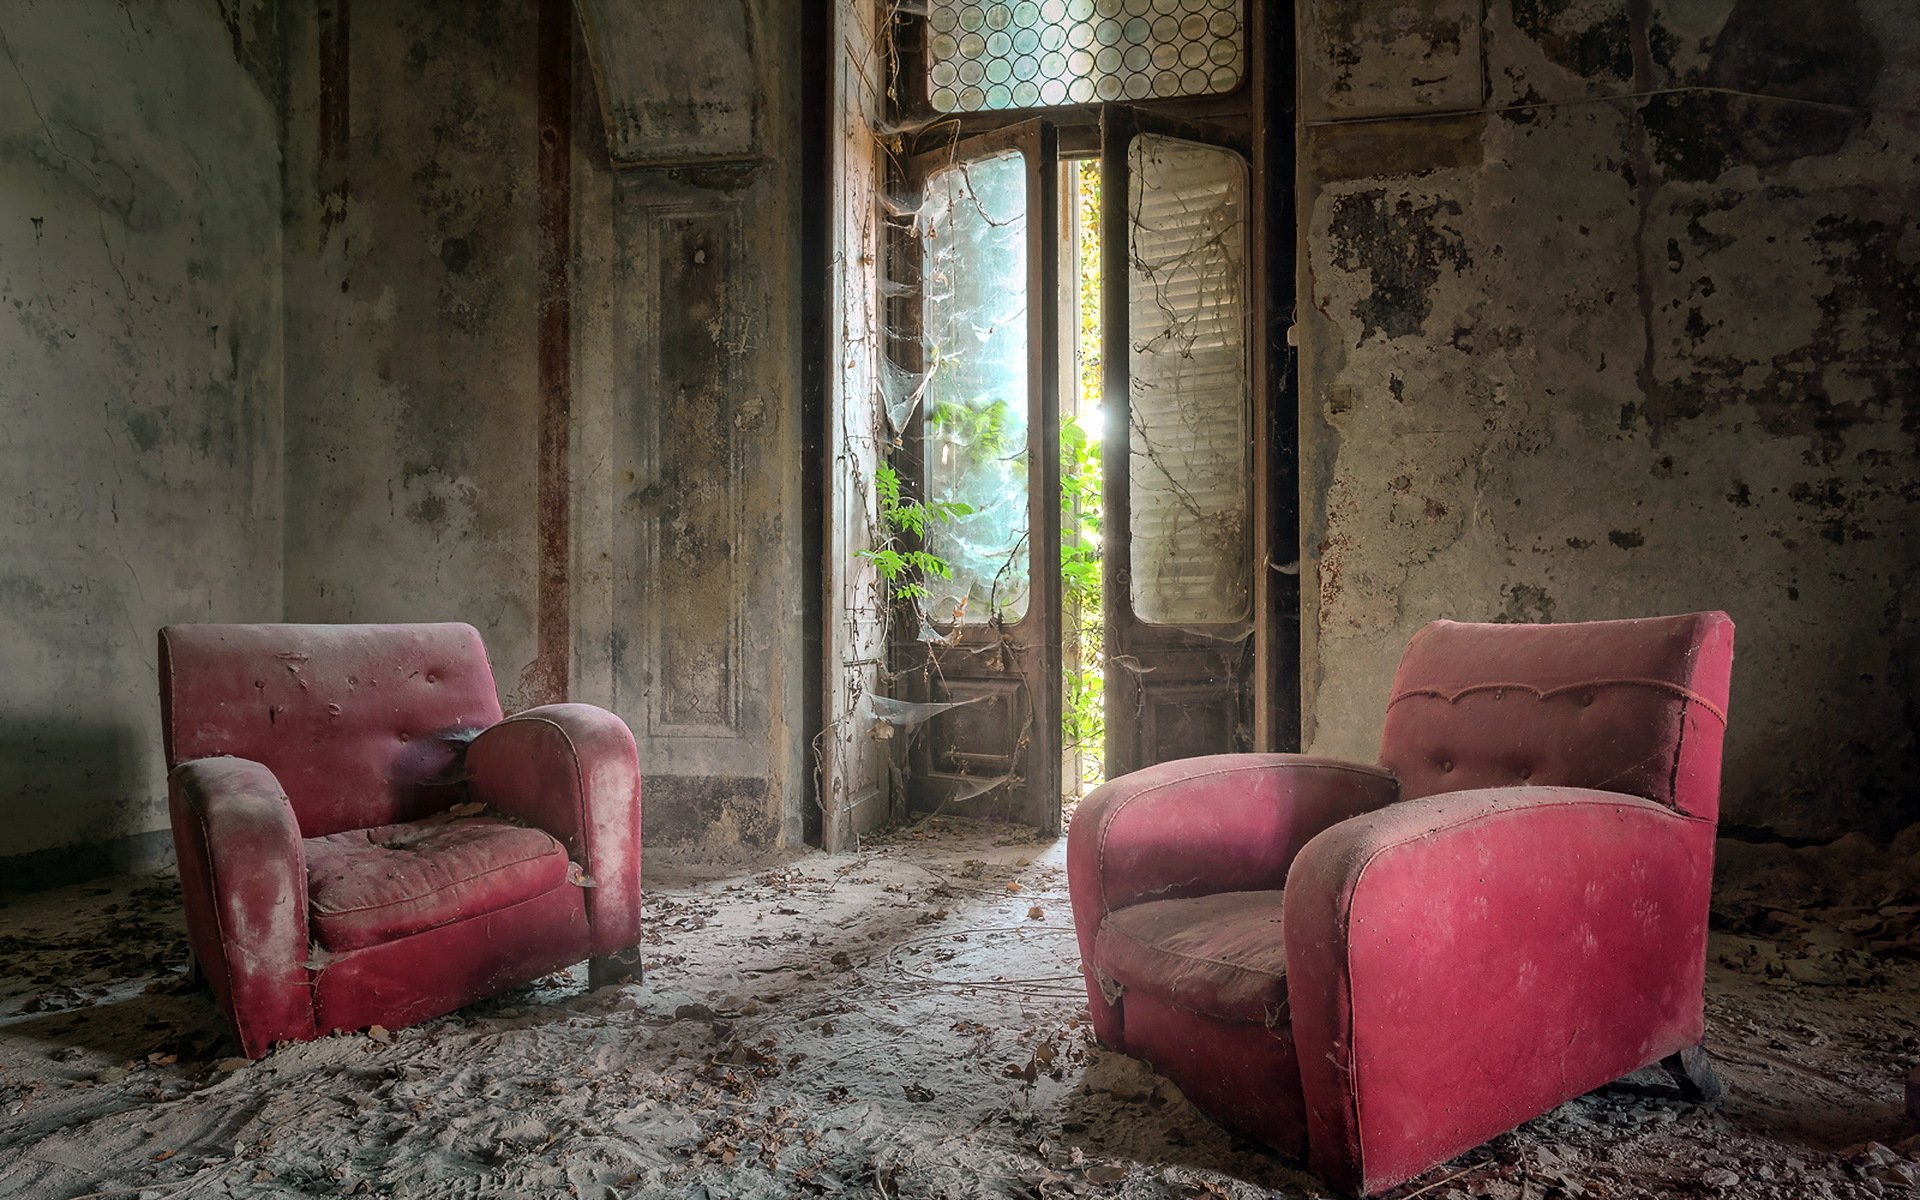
<point>904,1021</point>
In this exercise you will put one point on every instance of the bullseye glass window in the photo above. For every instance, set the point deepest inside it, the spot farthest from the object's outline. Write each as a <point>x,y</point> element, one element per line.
<point>987,55</point>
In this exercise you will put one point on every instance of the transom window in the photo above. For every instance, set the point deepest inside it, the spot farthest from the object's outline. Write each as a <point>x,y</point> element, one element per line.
<point>992,55</point>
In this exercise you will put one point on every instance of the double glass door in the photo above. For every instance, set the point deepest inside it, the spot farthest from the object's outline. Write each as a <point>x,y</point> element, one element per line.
<point>1081,442</point>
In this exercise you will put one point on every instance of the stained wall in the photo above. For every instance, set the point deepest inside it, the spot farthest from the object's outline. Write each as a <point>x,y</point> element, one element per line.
<point>140,396</point>
<point>558,397</point>
<point>412,291</point>
<point>858,751</point>
<point>1609,308</point>
<point>691,590</point>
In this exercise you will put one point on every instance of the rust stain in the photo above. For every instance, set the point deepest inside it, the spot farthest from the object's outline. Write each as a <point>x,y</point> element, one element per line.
<point>548,680</point>
<point>334,115</point>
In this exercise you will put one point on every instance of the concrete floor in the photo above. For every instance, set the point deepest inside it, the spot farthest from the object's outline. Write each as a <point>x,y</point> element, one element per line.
<point>901,1021</point>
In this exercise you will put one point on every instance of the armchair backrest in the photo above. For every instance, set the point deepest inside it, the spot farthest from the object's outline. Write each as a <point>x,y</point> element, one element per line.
<point>1637,707</point>
<point>356,721</point>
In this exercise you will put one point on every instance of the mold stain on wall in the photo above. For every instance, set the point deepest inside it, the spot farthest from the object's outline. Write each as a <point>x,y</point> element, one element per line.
<point>414,286</point>
<point>1633,333</point>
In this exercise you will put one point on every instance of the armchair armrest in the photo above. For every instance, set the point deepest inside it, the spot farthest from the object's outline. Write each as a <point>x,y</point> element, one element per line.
<point>1220,823</point>
<point>243,878</point>
<point>1462,963</point>
<point>573,770</point>
<point>1197,826</point>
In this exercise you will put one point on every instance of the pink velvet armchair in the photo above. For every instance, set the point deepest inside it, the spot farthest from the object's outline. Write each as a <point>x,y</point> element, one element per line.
<point>1378,967</point>
<point>363,840</point>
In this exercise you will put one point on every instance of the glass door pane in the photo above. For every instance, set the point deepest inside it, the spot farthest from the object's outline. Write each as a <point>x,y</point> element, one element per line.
<point>974,275</point>
<point>1189,386</point>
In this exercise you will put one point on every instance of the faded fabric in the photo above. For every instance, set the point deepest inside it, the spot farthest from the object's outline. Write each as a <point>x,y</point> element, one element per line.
<point>1222,955</point>
<point>373,885</point>
<point>313,770</point>
<point>1385,968</point>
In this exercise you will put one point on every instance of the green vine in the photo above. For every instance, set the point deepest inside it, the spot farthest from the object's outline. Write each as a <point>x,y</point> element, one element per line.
<point>902,567</point>
<point>983,427</point>
<point>1083,717</point>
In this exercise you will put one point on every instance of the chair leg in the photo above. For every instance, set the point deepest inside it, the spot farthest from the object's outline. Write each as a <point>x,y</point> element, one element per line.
<point>196,974</point>
<point>618,967</point>
<point>1692,1071</point>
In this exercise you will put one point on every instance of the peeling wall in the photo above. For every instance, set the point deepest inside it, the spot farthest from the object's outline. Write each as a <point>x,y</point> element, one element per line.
<point>1609,308</point>
<point>140,395</point>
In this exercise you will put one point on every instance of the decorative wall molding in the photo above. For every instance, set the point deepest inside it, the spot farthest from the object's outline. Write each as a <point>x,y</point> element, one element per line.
<point>679,80</point>
<point>690,593</point>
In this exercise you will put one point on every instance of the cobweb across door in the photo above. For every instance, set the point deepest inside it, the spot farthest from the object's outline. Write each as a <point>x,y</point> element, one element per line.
<point>991,55</point>
<point>973,227</point>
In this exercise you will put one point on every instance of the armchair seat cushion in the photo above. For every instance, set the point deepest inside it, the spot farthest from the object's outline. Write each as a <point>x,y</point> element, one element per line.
<point>1221,955</point>
<point>368,886</point>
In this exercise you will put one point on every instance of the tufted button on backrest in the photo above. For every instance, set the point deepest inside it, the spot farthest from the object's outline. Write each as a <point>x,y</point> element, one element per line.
<point>362,724</point>
<point>1637,707</point>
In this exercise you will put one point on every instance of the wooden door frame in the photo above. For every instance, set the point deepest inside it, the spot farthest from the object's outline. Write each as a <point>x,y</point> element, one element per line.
<point>1127,750</point>
<point>1035,638</point>
<point>1264,106</point>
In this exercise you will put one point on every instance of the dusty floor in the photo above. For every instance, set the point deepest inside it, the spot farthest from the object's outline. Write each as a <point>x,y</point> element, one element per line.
<point>904,1021</point>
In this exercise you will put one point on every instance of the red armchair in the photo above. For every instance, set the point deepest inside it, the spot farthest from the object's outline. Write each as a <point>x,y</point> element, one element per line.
<point>1381,967</point>
<point>333,873</point>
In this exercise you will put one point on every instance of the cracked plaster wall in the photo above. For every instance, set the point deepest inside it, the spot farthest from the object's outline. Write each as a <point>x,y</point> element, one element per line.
<point>140,395</point>
<point>1570,356</point>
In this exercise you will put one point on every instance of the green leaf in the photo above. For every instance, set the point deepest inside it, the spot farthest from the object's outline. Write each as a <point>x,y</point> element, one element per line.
<point>886,482</point>
<point>890,563</point>
<point>932,564</point>
<point>911,518</point>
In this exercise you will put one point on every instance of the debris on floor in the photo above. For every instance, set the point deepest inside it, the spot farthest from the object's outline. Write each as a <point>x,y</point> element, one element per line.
<point>906,1021</point>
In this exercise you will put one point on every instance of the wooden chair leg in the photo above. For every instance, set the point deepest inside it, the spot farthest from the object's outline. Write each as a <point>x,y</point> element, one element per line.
<point>621,966</point>
<point>196,974</point>
<point>1692,1071</point>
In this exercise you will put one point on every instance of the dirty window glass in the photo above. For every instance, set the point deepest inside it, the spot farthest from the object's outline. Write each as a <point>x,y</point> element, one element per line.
<point>973,226</point>
<point>1189,441</point>
<point>986,55</point>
